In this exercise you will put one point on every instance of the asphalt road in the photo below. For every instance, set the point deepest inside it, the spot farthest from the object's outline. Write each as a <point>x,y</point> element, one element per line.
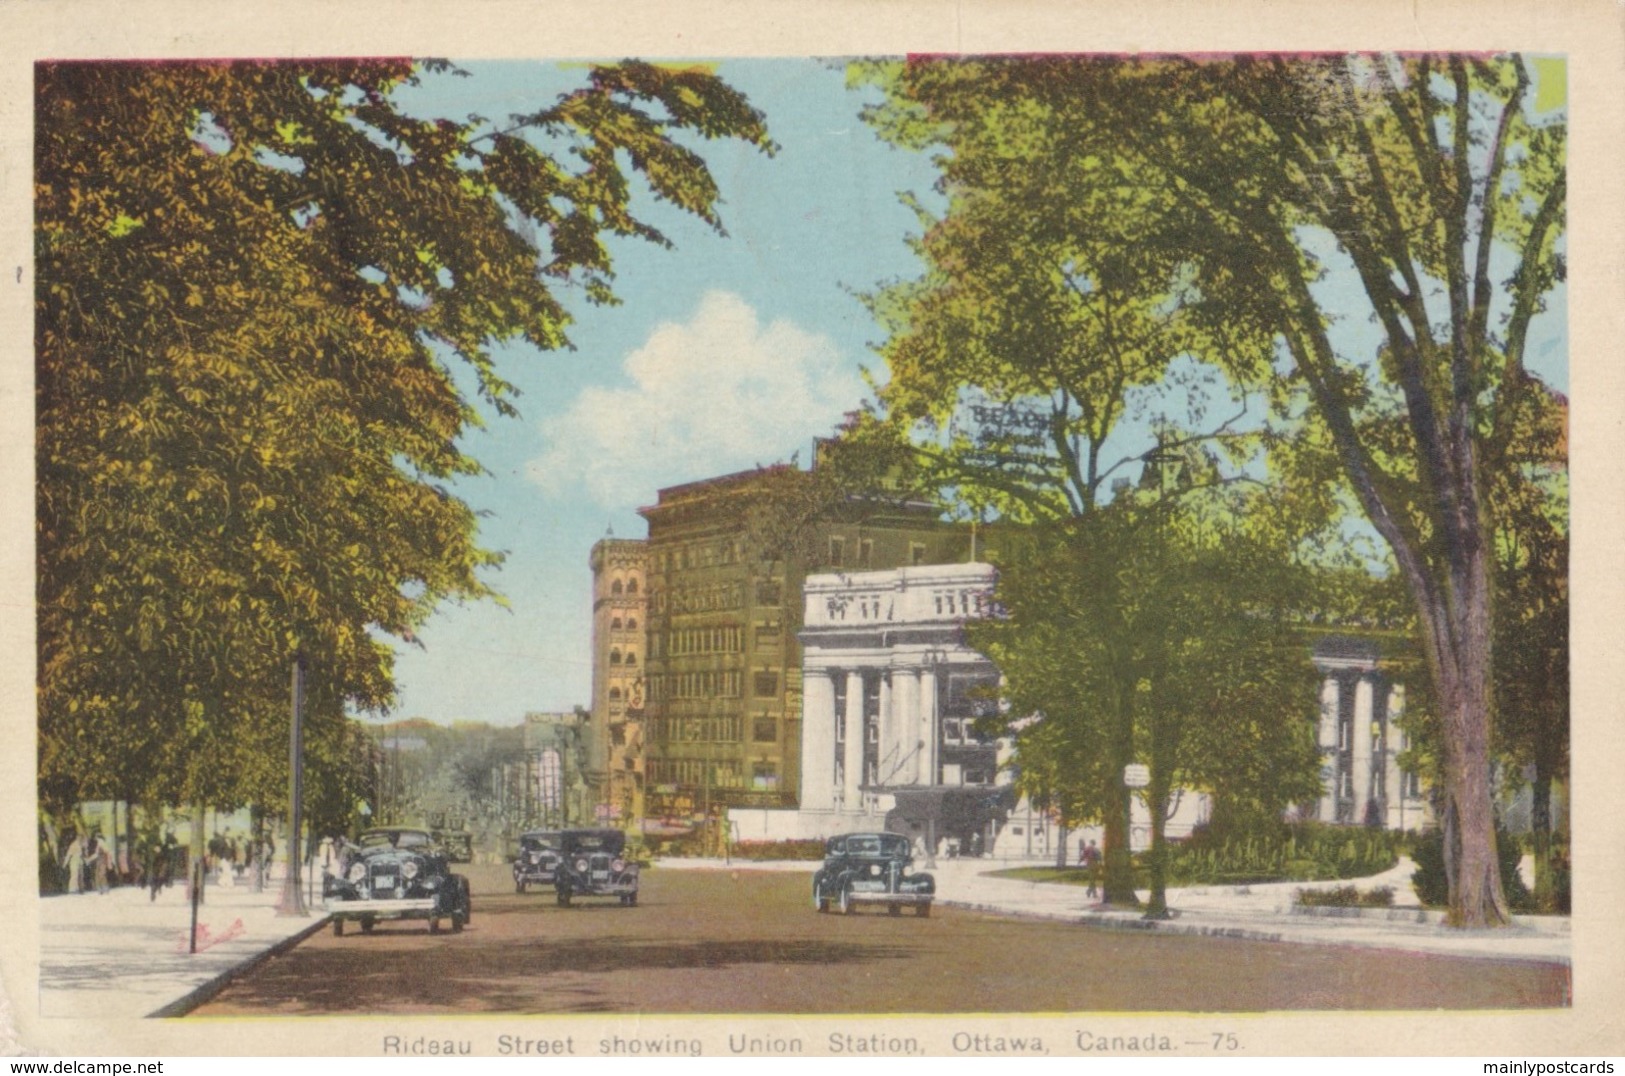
<point>749,942</point>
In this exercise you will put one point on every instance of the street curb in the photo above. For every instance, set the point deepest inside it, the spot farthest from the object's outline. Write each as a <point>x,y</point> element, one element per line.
<point>1103,922</point>
<point>200,994</point>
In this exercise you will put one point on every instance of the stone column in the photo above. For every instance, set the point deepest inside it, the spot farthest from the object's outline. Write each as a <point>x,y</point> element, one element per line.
<point>929,732</point>
<point>854,741</point>
<point>1363,713</point>
<point>818,719</point>
<point>886,752</point>
<point>1396,779</point>
<point>906,725</point>
<point>1328,748</point>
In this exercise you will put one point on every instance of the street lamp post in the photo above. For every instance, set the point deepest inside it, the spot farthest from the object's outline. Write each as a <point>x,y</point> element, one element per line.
<point>292,902</point>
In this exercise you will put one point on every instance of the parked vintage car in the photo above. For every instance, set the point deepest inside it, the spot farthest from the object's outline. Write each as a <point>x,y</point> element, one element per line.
<point>396,874</point>
<point>592,863</point>
<point>538,859</point>
<point>458,843</point>
<point>871,868</point>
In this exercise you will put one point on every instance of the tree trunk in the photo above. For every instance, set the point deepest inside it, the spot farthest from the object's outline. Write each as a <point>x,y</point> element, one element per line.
<point>1157,804</point>
<point>1460,661</point>
<point>1540,825</point>
<point>1118,885</point>
<point>1060,846</point>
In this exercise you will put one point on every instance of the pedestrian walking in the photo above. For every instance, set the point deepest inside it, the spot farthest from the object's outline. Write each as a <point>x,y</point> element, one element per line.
<point>1089,860</point>
<point>96,858</point>
<point>73,861</point>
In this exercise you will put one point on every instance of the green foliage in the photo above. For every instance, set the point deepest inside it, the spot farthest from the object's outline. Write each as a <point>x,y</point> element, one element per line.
<point>1237,186</point>
<point>254,281</point>
<point>1432,885</point>
<point>766,850</point>
<point>1345,896</point>
<point>1303,852</point>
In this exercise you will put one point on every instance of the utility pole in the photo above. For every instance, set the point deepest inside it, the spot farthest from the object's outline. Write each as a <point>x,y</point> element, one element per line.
<point>292,902</point>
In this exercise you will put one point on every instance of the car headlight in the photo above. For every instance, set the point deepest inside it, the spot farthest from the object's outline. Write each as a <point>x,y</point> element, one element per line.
<point>409,869</point>
<point>358,871</point>
<point>908,869</point>
<point>874,868</point>
<point>581,864</point>
<point>617,865</point>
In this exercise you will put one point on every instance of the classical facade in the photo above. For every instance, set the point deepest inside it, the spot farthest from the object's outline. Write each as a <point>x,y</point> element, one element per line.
<point>620,602</point>
<point>723,669</point>
<point>1360,741</point>
<point>892,694</point>
<point>891,697</point>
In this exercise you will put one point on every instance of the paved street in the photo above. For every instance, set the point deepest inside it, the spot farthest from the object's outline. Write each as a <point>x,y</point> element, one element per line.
<point>748,941</point>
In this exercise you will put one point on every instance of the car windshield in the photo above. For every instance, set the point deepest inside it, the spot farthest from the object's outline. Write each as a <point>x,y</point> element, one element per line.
<point>610,841</point>
<point>877,846</point>
<point>535,842</point>
<point>414,839</point>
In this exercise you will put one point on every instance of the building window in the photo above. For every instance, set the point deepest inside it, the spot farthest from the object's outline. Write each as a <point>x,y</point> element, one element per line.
<point>615,624</point>
<point>615,588</point>
<point>916,553</point>
<point>866,552</point>
<point>769,592</point>
<point>631,658</point>
<point>764,777</point>
<point>764,684</point>
<point>615,657</point>
<point>837,551</point>
<point>614,694</point>
<point>632,586</point>
<point>764,730</point>
<point>631,623</point>
<point>951,731</point>
<point>767,634</point>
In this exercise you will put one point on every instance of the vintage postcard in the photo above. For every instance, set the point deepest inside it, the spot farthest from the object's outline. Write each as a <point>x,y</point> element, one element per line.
<point>897,530</point>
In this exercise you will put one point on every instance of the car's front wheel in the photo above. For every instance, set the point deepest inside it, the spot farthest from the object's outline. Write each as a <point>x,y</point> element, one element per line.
<point>519,885</point>
<point>464,891</point>
<point>338,927</point>
<point>820,902</point>
<point>367,924</point>
<point>564,896</point>
<point>923,910</point>
<point>458,921</point>
<point>844,902</point>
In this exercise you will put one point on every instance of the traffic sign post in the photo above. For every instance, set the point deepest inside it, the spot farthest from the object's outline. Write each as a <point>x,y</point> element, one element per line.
<point>1136,775</point>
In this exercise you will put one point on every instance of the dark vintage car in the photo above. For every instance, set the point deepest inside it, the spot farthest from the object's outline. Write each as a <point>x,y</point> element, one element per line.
<point>592,863</point>
<point>871,868</point>
<point>458,843</point>
<point>538,859</point>
<point>396,874</point>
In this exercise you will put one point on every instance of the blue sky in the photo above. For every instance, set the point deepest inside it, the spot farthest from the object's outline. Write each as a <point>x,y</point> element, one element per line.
<point>726,352</point>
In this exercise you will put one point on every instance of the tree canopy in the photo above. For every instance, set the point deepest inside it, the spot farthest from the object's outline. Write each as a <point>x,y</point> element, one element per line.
<point>257,282</point>
<point>1282,195</point>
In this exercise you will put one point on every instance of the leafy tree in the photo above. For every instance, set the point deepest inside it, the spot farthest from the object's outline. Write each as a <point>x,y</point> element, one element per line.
<point>1180,626</point>
<point>256,281</point>
<point>1038,329</point>
<point>1529,509</point>
<point>1291,191</point>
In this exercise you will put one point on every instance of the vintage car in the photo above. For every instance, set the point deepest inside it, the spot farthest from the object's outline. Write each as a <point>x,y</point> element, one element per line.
<point>538,860</point>
<point>592,864</point>
<point>871,868</point>
<point>458,843</point>
<point>396,874</point>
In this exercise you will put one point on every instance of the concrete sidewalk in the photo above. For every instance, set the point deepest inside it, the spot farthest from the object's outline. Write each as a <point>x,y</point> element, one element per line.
<point>121,955</point>
<point>1262,912</point>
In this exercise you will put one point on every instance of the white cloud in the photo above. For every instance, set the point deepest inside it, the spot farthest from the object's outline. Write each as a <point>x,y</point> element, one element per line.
<point>718,393</point>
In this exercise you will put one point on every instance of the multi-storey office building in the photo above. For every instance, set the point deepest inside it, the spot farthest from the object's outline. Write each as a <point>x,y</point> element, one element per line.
<point>723,669</point>
<point>620,599</point>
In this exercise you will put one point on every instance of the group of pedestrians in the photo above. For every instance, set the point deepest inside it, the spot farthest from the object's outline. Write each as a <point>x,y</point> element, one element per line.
<point>89,863</point>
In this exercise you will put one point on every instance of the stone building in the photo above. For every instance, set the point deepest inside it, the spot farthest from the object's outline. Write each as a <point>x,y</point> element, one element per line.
<point>722,719</point>
<point>892,693</point>
<point>1360,741</point>
<point>620,599</point>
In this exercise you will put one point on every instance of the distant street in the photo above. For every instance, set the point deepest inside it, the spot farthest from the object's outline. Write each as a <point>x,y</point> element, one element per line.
<point>750,942</point>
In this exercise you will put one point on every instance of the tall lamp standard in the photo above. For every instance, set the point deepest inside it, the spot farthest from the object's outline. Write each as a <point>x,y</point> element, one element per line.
<point>292,901</point>
<point>1165,462</point>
